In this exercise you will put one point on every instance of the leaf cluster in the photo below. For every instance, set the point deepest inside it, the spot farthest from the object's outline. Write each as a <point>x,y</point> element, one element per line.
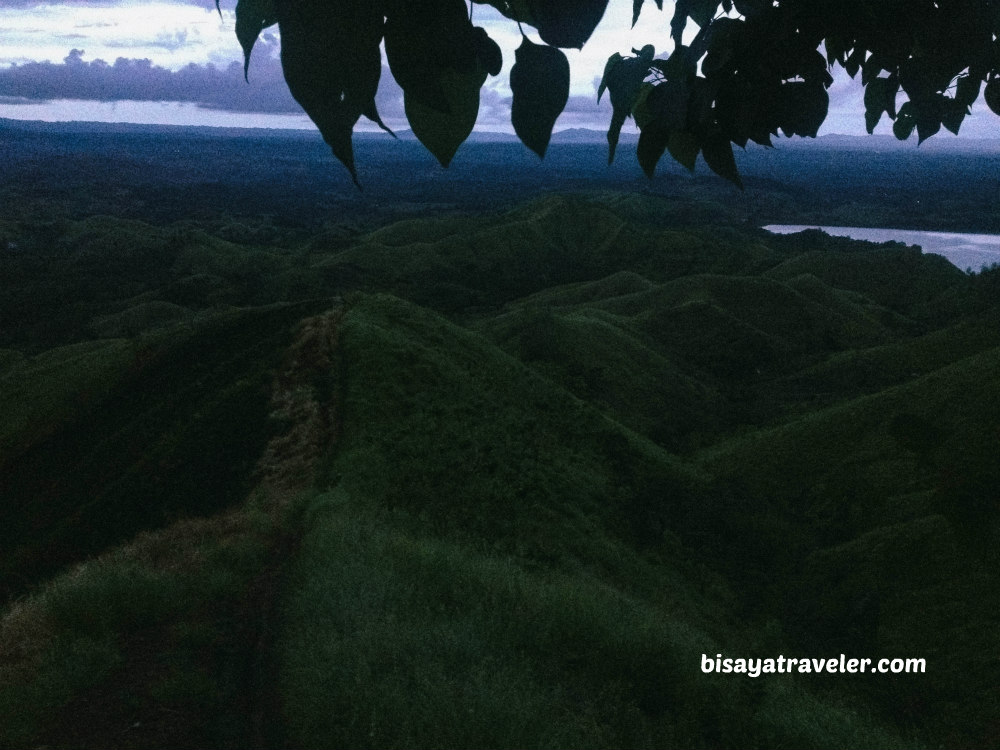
<point>752,70</point>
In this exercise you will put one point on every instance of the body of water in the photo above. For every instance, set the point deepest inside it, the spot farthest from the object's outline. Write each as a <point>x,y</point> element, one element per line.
<point>964,250</point>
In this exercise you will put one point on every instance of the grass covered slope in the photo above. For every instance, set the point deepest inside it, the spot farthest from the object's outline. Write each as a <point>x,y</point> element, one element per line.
<point>524,473</point>
<point>108,438</point>
<point>484,572</point>
<point>481,443</point>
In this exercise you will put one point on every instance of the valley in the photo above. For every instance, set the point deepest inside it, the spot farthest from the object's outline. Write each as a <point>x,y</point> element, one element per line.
<point>455,462</point>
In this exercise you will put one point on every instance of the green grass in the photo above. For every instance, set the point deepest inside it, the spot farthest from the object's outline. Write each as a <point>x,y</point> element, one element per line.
<point>439,422</point>
<point>393,638</point>
<point>151,644</point>
<point>843,442</point>
<point>903,279</point>
<point>38,394</point>
<point>564,451</point>
<point>859,371</point>
<point>111,438</point>
<point>604,360</point>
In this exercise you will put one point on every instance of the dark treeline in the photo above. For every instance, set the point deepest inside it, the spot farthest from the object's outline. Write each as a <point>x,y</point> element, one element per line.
<point>164,177</point>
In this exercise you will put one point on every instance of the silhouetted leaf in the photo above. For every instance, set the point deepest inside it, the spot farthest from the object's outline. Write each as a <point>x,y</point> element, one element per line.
<point>880,96</point>
<point>641,112</point>
<point>371,112</point>
<point>678,67</point>
<point>722,38</point>
<point>804,106</point>
<point>928,123</point>
<point>684,147</point>
<point>423,41</point>
<point>836,48</point>
<point>745,78</point>
<point>903,127</point>
<point>699,11</point>
<point>750,108</point>
<point>608,66</point>
<point>700,114</point>
<point>539,81</point>
<point>967,89</point>
<point>875,64</point>
<point>664,129</point>
<point>487,51</point>
<point>718,154</point>
<point>811,66</point>
<point>854,61</point>
<point>332,62</point>
<point>252,17</point>
<point>702,11</point>
<point>665,102</point>
<point>566,23</point>
<point>623,78</point>
<point>923,78</point>
<point>443,132</point>
<point>952,114</point>
<point>749,8</point>
<point>652,143</point>
<point>614,133</point>
<point>991,94</point>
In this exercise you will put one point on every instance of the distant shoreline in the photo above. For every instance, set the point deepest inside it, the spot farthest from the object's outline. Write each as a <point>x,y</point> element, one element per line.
<point>965,250</point>
<point>586,136</point>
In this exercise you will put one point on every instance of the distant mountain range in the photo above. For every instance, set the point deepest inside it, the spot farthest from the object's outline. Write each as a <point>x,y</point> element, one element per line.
<point>570,135</point>
<point>567,136</point>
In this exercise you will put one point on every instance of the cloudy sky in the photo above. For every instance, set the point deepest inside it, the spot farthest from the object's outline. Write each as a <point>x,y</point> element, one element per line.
<point>178,62</point>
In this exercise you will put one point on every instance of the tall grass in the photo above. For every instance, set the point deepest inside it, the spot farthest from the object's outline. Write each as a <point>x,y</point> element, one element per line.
<point>151,644</point>
<point>394,638</point>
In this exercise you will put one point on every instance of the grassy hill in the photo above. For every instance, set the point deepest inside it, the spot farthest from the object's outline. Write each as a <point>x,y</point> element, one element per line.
<point>494,480</point>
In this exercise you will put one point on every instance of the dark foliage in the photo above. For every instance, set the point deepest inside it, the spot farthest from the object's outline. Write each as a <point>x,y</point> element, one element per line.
<point>753,70</point>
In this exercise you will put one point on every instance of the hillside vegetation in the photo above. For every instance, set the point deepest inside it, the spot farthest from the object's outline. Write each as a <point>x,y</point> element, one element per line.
<point>493,480</point>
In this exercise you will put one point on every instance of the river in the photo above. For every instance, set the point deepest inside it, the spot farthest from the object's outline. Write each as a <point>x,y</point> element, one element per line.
<point>967,251</point>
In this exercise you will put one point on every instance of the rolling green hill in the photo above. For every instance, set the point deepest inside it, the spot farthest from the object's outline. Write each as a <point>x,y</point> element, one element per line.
<point>495,481</point>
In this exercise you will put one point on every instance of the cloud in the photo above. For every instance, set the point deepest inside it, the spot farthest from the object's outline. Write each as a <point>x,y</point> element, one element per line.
<point>207,86</point>
<point>169,34</point>
<point>170,41</point>
<point>214,83</point>
<point>589,105</point>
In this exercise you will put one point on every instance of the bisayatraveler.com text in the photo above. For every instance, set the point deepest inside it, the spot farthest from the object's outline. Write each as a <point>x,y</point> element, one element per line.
<point>788,665</point>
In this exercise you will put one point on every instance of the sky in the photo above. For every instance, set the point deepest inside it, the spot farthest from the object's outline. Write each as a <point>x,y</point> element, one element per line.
<point>178,62</point>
